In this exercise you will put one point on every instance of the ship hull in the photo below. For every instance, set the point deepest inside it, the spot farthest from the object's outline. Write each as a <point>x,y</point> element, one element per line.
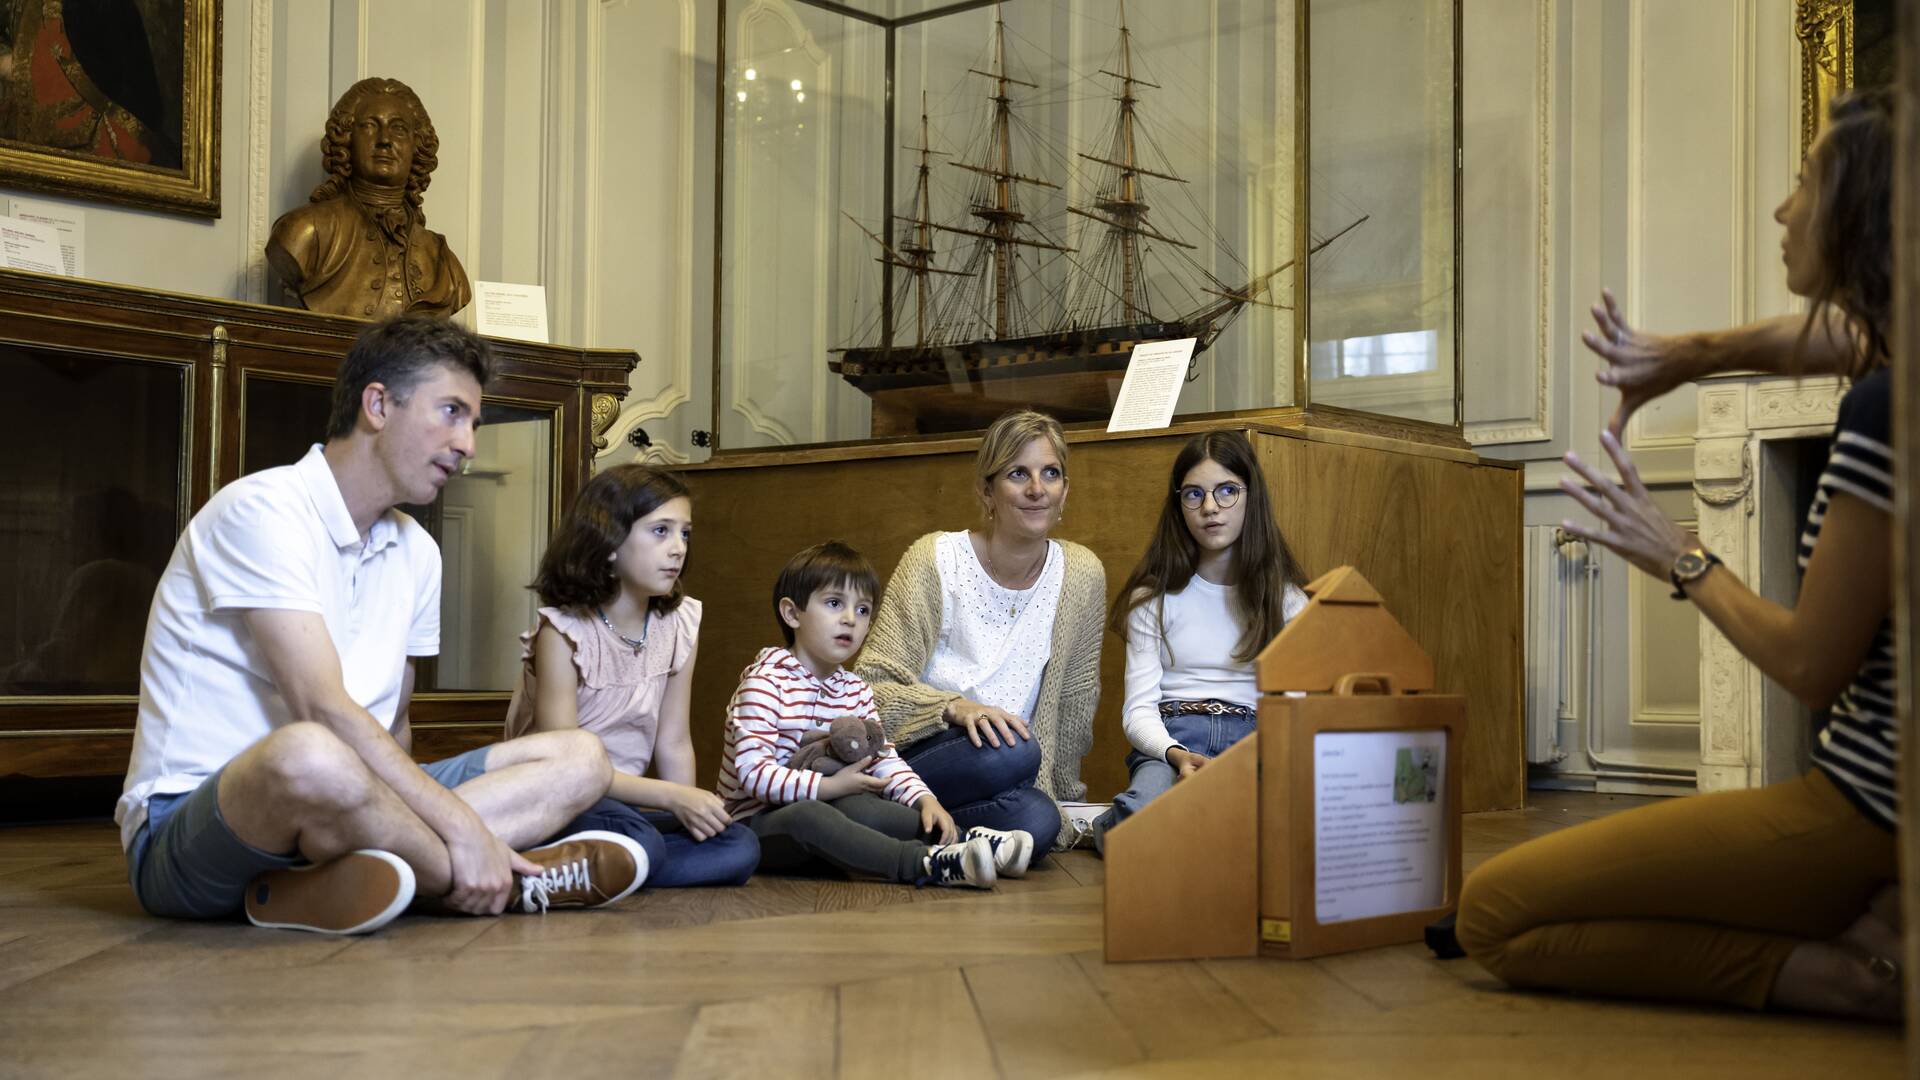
<point>1074,375</point>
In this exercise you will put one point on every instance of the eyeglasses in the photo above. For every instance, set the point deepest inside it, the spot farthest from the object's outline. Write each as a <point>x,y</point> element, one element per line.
<point>1224,495</point>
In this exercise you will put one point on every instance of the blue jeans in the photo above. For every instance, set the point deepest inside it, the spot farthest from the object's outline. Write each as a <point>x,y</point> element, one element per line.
<point>1199,732</point>
<point>675,858</point>
<point>987,785</point>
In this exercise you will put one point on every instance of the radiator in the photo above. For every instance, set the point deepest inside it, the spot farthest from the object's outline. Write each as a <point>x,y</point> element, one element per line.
<point>1559,603</point>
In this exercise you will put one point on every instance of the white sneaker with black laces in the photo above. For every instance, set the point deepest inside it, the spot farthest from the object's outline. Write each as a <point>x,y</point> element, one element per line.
<point>969,862</point>
<point>1011,850</point>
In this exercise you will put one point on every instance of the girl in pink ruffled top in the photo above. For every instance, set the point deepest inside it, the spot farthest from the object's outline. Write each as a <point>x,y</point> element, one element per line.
<point>613,653</point>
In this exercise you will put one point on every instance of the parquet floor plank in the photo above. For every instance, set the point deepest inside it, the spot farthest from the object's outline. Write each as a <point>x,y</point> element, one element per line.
<point>1044,1017</point>
<point>1171,1007</point>
<point>786,1035</point>
<point>923,1025</point>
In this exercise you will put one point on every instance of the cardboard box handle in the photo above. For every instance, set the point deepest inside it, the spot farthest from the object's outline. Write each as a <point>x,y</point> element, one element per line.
<point>1359,682</point>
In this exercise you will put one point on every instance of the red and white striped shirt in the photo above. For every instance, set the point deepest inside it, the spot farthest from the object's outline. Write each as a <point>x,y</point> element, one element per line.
<point>778,703</point>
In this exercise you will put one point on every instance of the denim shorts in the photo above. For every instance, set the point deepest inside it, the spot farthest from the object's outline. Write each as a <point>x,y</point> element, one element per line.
<point>186,863</point>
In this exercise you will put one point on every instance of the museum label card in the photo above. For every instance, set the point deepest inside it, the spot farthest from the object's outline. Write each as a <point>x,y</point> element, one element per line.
<point>504,309</point>
<point>30,245</point>
<point>70,224</point>
<point>1379,823</point>
<point>1151,388</point>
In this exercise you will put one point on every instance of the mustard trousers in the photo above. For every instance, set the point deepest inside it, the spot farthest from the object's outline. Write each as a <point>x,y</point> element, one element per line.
<point>1692,899</point>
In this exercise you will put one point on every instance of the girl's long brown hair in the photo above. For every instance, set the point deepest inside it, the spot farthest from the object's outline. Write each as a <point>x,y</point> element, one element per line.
<point>1263,564</point>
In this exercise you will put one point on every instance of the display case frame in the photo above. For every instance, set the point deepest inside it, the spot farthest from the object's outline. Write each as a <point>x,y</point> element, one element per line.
<point>1301,405</point>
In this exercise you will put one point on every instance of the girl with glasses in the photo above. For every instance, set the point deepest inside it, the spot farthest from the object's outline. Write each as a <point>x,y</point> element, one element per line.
<point>1216,584</point>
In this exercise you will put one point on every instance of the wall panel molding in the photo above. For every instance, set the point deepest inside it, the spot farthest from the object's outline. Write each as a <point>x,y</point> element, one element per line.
<point>260,71</point>
<point>678,389</point>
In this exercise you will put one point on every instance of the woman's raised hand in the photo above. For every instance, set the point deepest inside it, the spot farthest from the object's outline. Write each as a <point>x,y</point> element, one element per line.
<point>1642,366</point>
<point>996,726</point>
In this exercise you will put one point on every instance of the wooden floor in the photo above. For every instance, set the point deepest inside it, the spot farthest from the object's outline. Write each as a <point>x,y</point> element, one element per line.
<point>792,977</point>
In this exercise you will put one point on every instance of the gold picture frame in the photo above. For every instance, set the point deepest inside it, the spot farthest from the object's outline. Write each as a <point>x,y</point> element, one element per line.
<point>140,127</point>
<point>1825,30</point>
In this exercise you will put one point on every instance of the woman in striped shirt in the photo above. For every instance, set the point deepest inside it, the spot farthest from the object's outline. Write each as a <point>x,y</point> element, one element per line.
<point>1779,897</point>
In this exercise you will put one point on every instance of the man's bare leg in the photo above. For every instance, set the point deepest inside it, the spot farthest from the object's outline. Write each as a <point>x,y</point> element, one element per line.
<point>537,783</point>
<point>303,789</point>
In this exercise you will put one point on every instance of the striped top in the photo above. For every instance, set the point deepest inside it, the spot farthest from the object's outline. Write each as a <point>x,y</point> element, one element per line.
<point>778,703</point>
<point>1858,746</point>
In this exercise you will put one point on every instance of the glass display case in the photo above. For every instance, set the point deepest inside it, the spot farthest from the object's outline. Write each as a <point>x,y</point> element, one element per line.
<point>932,212</point>
<point>127,409</point>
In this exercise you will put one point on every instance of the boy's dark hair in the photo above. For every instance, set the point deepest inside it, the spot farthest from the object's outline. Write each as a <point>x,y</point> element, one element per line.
<point>820,566</point>
<point>574,572</point>
<point>398,353</point>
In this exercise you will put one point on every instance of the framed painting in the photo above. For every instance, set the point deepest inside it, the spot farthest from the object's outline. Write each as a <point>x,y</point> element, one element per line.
<point>116,100</point>
<point>1844,44</point>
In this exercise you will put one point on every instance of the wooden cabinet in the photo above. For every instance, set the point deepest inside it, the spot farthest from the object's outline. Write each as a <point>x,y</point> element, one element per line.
<point>121,412</point>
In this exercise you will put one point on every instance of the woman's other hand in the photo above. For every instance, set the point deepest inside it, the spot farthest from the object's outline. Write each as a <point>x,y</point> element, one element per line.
<point>1633,526</point>
<point>996,726</point>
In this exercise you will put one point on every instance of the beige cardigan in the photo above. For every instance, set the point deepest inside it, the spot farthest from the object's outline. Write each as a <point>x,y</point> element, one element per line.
<point>907,628</point>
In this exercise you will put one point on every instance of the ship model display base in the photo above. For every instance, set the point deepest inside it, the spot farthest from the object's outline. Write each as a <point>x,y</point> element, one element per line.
<point>963,388</point>
<point>941,390</point>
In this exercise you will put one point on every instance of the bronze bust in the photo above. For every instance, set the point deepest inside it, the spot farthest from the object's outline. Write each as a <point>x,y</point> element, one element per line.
<point>361,246</point>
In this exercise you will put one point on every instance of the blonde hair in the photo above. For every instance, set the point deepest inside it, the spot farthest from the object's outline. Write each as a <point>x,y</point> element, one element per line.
<point>1007,437</point>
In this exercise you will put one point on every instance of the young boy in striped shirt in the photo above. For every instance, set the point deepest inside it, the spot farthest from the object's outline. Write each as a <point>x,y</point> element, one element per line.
<point>874,817</point>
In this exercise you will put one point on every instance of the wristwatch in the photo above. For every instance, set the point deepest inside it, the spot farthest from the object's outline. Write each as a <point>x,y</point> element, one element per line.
<point>1691,566</point>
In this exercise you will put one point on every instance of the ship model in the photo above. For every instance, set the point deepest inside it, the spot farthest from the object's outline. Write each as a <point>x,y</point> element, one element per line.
<point>975,348</point>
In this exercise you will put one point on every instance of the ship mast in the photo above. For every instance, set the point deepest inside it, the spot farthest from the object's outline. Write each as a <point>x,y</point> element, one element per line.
<point>1126,206</point>
<point>999,215</point>
<point>917,245</point>
<point>1124,211</point>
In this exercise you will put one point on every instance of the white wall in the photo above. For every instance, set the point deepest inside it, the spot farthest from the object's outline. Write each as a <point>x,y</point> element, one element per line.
<point>1639,145</point>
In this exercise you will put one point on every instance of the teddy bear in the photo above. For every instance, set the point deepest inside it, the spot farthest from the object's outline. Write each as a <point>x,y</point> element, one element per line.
<point>846,740</point>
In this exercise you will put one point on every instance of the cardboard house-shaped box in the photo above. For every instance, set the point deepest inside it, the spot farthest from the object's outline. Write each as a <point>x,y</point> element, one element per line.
<point>1335,826</point>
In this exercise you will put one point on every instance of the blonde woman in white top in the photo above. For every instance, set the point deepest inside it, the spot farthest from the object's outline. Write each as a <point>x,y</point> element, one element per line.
<point>985,654</point>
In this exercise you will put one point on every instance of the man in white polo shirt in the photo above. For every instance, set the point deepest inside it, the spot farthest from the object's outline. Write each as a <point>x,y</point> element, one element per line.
<point>270,767</point>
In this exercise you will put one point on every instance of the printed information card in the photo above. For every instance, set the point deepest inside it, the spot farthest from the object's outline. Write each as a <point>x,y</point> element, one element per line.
<point>30,245</point>
<point>69,225</point>
<point>1151,388</point>
<point>1379,823</point>
<point>503,309</point>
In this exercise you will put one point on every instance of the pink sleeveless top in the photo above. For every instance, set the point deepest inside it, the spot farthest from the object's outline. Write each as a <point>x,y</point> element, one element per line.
<point>620,690</point>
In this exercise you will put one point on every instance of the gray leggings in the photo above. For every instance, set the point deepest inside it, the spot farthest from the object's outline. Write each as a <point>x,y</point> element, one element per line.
<point>861,834</point>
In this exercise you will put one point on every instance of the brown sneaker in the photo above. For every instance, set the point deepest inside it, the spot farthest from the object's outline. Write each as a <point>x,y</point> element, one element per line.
<point>588,869</point>
<point>356,893</point>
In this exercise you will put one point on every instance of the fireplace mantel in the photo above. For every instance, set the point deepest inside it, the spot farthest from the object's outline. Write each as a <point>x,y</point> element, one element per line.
<point>1752,732</point>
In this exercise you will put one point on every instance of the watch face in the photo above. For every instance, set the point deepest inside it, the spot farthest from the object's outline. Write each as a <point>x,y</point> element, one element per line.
<point>1689,566</point>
